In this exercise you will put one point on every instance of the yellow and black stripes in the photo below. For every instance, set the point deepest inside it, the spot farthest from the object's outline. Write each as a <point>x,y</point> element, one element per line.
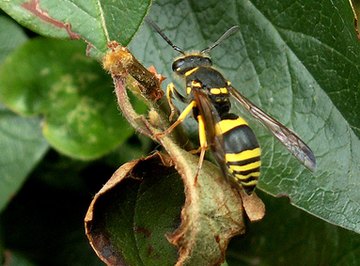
<point>242,151</point>
<point>239,152</point>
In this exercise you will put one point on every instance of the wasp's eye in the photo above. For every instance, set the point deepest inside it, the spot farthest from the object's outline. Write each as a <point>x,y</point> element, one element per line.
<point>177,64</point>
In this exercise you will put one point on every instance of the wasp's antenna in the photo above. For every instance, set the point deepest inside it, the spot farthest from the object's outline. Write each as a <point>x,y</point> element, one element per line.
<point>223,37</point>
<point>158,30</point>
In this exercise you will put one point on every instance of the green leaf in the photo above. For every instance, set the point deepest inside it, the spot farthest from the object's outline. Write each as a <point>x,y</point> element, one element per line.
<point>56,80</point>
<point>300,63</point>
<point>21,142</point>
<point>96,22</point>
<point>298,239</point>
<point>11,36</point>
<point>22,146</point>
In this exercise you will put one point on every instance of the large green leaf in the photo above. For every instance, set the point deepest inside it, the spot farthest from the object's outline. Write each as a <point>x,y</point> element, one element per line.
<point>21,142</point>
<point>288,236</point>
<point>55,79</point>
<point>300,63</point>
<point>11,36</point>
<point>96,22</point>
<point>22,146</point>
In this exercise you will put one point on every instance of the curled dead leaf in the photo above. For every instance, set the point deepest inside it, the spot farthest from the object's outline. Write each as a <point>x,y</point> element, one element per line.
<point>122,223</point>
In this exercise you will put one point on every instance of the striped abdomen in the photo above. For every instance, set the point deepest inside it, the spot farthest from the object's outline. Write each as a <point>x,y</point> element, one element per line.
<point>242,151</point>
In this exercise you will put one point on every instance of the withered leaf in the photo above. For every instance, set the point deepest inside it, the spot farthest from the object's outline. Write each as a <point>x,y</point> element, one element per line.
<point>129,217</point>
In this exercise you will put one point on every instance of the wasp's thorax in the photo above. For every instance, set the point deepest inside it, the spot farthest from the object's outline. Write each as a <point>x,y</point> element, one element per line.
<point>188,62</point>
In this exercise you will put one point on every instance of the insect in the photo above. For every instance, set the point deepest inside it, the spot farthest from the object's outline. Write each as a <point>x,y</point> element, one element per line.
<point>231,140</point>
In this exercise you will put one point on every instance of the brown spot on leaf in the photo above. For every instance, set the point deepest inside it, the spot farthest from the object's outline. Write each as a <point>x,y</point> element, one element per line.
<point>143,231</point>
<point>89,47</point>
<point>34,7</point>
<point>150,250</point>
<point>106,250</point>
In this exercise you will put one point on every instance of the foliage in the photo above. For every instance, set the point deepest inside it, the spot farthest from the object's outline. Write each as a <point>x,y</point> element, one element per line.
<point>299,61</point>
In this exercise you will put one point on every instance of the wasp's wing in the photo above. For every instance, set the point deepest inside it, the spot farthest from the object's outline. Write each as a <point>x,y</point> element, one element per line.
<point>286,136</point>
<point>211,118</point>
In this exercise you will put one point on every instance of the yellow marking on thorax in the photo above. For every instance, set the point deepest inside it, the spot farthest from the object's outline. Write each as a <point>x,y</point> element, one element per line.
<point>189,72</point>
<point>217,91</point>
<point>244,155</point>
<point>194,84</point>
<point>188,90</point>
<point>227,124</point>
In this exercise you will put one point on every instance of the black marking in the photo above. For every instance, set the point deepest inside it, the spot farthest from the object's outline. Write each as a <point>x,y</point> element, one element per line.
<point>249,189</point>
<point>240,138</point>
<point>209,77</point>
<point>247,180</point>
<point>245,162</point>
<point>247,172</point>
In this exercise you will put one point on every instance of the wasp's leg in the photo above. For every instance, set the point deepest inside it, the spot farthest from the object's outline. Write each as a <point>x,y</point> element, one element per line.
<point>170,91</point>
<point>203,145</point>
<point>180,119</point>
<point>198,150</point>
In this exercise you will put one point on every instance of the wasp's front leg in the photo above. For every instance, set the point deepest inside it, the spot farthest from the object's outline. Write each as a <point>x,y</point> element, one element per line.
<point>179,120</point>
<point>170,91</point>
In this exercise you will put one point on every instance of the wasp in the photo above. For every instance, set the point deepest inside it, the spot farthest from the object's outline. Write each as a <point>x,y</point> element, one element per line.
<point>231,140</point>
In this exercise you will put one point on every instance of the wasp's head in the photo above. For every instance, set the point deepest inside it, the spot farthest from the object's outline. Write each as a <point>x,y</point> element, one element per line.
<point>188,62</point>
<point>191,61</point>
